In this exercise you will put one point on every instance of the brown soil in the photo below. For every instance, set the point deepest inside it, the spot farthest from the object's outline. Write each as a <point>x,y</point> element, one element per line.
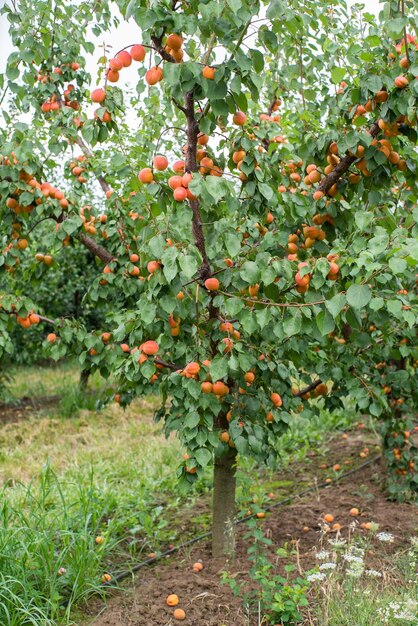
<point>206,601</point>
<point>26,407</point>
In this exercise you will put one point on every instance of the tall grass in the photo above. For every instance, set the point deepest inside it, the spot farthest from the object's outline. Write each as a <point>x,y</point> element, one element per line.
<point>48,556</point>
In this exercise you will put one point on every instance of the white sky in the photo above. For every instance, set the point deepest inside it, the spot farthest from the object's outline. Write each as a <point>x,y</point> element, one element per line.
<point>127,33</point>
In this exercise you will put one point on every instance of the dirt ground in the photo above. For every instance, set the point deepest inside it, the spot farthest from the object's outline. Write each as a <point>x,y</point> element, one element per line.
<point>205,600</point>
<point>25,408</point>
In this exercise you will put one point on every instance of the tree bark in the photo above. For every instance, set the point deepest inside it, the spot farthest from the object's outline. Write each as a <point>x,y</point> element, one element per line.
<point>224,484</point>
<point>84,379</point>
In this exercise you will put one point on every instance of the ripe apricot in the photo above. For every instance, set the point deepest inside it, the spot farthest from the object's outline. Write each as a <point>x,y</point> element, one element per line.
<point>328,518</point>
<point>179,614</point>
<point>149,347</point>
<point>174,41</point>
<point>153,266</point>
<point>115,64</point>
<point>34,318</point>
<point>174,182</point>
<point>113,76</point>
<point>138,52</point>
<point>154,75</point>
<point>220,389</point>
<point>276,399</point>
<point>172,600</point>
<point>178,166</point>
<point>180,194</point>
<point>146,176</point>
<point>160,163</point>
<point>212,284</point>
<point>401,82</point>
<point>206,387</point>
<point>51,338</point>
<point>198,566</point>
<point>354,511</point>
<point>224,436</point>
<point>192,368</point>
<point>208,72</point>
<point>239,118</point>
<point>125,58</point>
<point>98,95</point>
<point>249,377</point>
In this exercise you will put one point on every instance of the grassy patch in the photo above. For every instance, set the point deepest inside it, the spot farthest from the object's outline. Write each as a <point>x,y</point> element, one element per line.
<point>72,474</point>
<point>349,592</point>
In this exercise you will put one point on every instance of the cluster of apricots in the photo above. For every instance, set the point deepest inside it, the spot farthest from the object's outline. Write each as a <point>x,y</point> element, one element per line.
<point>319,390</point>
<point>46,259</point>
<point>32,185</point>
<point>173,47</point>
<point>88,220</point>
<point>179,182</point>
<point>174,325</point>
<point>31,319</point>
<point>124,59</point>
<point>77,169</point>
<point>172,601</point>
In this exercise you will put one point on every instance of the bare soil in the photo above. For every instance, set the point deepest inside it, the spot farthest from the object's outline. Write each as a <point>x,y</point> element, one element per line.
<point>26,407</point>
<point>208,602</point>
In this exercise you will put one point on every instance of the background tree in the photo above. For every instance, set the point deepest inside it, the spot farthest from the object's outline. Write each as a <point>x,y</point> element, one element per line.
<point>259,238</point>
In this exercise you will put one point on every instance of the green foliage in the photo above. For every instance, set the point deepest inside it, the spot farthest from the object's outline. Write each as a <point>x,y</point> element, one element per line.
<point>274,597</point>
<point>319,87</point>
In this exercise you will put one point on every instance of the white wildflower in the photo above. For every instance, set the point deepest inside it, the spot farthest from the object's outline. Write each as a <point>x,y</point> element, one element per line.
<point>373,572</point>
<point>325,566</point>
<point>387,537</point>
<point>315,576</point>
<point>337,543</point>
<point>352,558</point>
<point>321,556</point>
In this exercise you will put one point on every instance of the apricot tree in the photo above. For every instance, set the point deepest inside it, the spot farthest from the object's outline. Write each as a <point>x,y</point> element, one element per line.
<point>256,242</point>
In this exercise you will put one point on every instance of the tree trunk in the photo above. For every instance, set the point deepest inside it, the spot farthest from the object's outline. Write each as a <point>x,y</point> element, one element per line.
<point>224,483</point>
<point>84,379</point>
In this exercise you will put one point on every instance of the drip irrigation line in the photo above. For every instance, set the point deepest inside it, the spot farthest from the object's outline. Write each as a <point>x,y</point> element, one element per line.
<point>124,574</point>
<point>135,568</point>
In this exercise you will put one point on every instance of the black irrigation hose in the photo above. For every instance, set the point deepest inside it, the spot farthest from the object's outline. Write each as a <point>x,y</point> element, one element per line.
<point>124,574</point>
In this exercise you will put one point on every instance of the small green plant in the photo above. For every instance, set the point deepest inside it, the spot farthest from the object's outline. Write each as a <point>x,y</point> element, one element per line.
<point>271,596</point>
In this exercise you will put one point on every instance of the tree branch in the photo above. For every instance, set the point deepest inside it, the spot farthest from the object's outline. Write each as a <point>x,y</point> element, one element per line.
<point>87,152</point>
<point>157,41</point>
<point>191,166</point>
<point>343,166</point>
<point>310,387</point>
<point>95,248</point>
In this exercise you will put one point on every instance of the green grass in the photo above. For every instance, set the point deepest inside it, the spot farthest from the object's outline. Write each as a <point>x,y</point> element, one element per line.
<point>72,473</point>
<point>385,596</point>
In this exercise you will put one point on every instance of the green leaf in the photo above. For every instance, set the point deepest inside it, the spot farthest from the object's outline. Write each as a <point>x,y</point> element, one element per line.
<point>338,74</point>
<point>188,264</point>
<point>217,187</point>
<point>250,272</point>
<point>325,322</point>
<point>397,265</point>
<point>192,419</point>
<point>233,243</point>
<point>292,324</point>
<point>169,260</point>
<point>203,456</point>
<point>376,303</point>
<point>359,296</point>
<point>218,368</point>
<point>336,304</point>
